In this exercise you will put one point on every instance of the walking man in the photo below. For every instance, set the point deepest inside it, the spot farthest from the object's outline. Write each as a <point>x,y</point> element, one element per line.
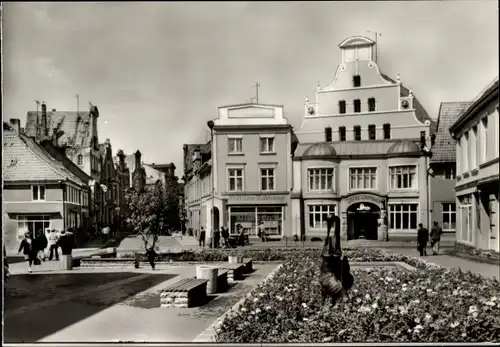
<point>422,239</point>
<point>53,246</point>
<point>436,233</point>
<point>262,232</point>
<point>202,237</point>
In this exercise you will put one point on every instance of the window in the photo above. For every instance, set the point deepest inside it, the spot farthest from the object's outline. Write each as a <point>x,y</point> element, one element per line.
<point>235,178</point>
<point>235,145</point>
<point>387,131</point>
<point>357,133</point>
<point>318,215</point>
<point>356,81</point>
<point>342,134</point>
<point>267,179</point>
<point>372,132</point>
<point>449,173</point>
<point>403,216</point>
<point>472,148</point>
<point>342,107</point>
<point>320,179</point>
<point>38,193</point>
<point>449,216</point>
<point>465,153</point>
<point>403,177</point>
<point>357,105</point>
<point>361,178</point>
<point>266,145</point>
<point>484,140</point>
<point>371,104</point>
<point>466,217</point>
<point>328,134</point>
<point>31,224</point>
<point>79,160</point>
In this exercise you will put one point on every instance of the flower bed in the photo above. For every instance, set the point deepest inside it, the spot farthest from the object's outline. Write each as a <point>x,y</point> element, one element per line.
<point>288,254</point>
<point>384,305</point>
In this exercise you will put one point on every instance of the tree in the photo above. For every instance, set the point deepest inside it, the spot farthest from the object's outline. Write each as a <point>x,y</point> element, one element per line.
<point>172,197</point>
<point>148,212</point>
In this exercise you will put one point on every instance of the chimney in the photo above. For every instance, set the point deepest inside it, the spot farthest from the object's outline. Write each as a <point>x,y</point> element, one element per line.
<point>137,160</point>
<point>45,130</point>
<point>16,125</point>
<point>54,137</point>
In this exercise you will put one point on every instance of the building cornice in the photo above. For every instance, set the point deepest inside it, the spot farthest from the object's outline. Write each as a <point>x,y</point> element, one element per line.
<point>253,127</point>
<point>359,156</point>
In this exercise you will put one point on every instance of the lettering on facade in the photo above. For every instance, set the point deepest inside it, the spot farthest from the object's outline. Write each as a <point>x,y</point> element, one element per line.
<point>364,198</point>
<point>257,198</point>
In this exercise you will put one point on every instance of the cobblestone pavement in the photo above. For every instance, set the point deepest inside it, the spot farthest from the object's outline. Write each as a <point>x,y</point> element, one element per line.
<point>487,270</point>
<point>113,304</point>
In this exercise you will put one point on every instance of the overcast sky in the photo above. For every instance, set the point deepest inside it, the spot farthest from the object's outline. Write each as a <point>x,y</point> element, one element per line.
<point>158,71</point>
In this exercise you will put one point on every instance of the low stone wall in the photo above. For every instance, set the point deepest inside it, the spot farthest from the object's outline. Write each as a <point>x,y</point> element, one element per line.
<point>481,254</point>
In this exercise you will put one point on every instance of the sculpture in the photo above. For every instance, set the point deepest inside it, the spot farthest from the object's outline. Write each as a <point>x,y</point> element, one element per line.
<point>335,276</point>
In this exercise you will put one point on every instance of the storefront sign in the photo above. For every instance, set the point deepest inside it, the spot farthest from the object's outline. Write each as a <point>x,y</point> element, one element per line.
<point>256,198</point>
<point>364,198</point>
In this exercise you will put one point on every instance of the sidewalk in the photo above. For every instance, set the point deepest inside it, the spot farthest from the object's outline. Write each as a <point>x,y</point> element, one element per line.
<point>487,270</point>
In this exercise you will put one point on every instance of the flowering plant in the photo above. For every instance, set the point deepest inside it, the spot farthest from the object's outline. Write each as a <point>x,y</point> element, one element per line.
<point>386,304</point>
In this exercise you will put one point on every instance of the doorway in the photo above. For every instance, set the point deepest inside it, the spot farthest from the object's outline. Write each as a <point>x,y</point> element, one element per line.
<point>362,221</point>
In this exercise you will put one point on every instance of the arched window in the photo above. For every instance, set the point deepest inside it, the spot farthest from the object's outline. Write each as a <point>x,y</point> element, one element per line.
<point>357,133</point>
<point>342,106</point>
<point>79,160</point>
<point>387,131</point>
<point>342,136</point>
<point>357,105</point>
<point>328,134</point>
<point>371,104</point>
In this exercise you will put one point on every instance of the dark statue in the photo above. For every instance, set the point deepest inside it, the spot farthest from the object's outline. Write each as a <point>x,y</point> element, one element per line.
<point>335,275</point>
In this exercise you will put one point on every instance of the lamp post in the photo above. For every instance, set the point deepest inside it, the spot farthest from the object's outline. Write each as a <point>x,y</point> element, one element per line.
<point>210,124</point>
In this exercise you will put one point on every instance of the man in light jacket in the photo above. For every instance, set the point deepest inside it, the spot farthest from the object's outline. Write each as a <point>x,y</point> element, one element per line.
<point>53,246</point>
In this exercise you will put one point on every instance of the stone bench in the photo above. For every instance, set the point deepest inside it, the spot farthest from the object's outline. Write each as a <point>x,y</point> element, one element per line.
<point>248,264</point>
<point>188,292</point>
<point>234,271</point>
<point>222,282</point>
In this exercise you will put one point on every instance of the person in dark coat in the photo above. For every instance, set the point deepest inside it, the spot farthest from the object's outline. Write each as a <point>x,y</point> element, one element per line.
<point>241,235</point>
<point>422,239</point>
<point>41,244</point>
<point>151,255</point>
<point>66,242</point>
<point>216,238</point>
<point>436,233</point>
<point>202,237</point>
<point>29,250</point>
<point>225,237</point>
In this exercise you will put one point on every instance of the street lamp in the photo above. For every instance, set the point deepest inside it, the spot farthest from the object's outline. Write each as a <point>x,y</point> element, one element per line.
<point>210,124</point>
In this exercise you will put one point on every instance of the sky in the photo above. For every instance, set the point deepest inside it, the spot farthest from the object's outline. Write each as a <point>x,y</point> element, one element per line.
<point>158,71</point>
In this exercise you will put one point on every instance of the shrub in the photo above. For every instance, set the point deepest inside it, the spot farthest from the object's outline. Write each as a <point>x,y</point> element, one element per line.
<point>384,305</point>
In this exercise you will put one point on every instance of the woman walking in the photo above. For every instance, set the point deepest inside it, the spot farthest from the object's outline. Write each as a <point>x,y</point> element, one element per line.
<point>29,250</point>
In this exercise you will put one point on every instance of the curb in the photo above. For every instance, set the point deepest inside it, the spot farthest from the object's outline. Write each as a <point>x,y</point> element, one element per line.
<point>208,335</point>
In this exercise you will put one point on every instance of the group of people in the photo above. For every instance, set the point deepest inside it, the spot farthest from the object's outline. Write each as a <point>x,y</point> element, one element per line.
<point>41,247</point>
<point>221,237</point>
<point>423,238</point>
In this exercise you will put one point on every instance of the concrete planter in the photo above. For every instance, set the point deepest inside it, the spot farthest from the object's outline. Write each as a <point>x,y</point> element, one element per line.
<point>66,262</point>
<point>235,259</point>
<point>208,273</point>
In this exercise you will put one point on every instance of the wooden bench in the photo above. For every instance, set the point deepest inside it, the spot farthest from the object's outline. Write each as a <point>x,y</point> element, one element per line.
<point>188,292</point>
<point>247,263</point>
<point>234,271</point>
<point>222,283</point>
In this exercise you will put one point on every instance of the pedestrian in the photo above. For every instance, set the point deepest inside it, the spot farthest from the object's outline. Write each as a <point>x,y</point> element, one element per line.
<point>41,244</point>
<point>262,232</point>
<point>27,246</point>
<point>202,237</point>
<point>225,237</point>
<point>436,233</point>
<point>216,238</point>
<point>151,255</point>
<point>66,242</point>
<point>53,244</point>
<point>422,239</point>
<point>241,235</point>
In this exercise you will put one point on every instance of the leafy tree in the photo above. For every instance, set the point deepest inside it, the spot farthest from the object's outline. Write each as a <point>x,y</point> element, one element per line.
<point>148,212</point>
<point>171,189</point>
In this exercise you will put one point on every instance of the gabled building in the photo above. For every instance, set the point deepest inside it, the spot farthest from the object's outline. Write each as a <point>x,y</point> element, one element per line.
<point>123,177</point>
<point>40,191</point>
<point>77,135</point>
<point>476,134</point>
<point>362,153</point>
<point>443,166</point>
<point>109,187</point>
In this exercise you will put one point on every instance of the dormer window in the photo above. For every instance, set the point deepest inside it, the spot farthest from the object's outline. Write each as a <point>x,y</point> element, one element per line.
<point>357,133</point>
<point>357,105</point>
<point>342,106</point>
<point>328,134</point>
<point>342,135</point>
<point>387,131</point>
<point>79,160</point>
<point>356,81</point>
<point>372,132</point>
<point>371,104</point>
